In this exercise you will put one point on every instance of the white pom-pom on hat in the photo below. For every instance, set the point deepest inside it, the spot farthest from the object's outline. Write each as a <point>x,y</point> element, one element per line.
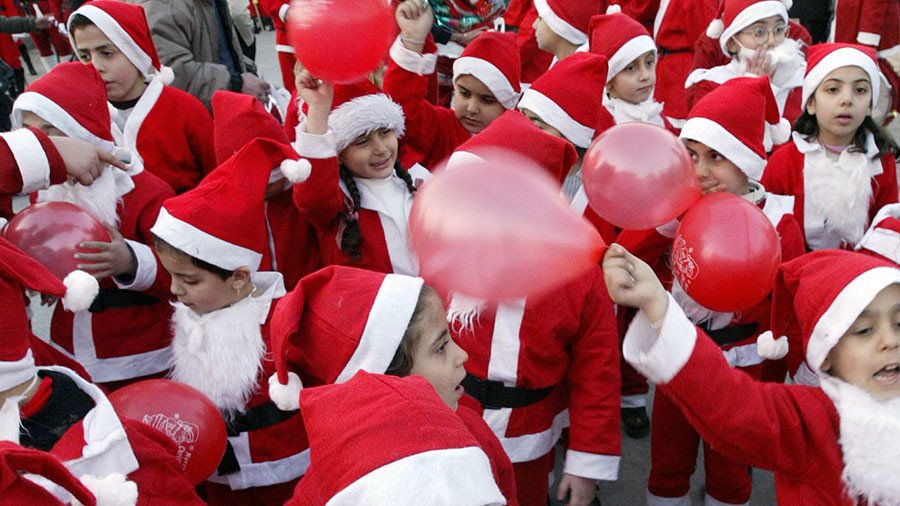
<point>297,171</point>
<point>165,74</point>
<point>286,397</point>
<point>769,348</point>
<point>781,132</point>
<point>614,9</point>
<point>715,29</point>
<point>81,290</point>
<point>114,489</point>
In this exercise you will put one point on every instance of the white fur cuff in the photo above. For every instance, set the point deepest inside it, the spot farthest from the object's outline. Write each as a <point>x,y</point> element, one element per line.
<point>660,358</point>
<point>411,61</point>
<point>310,145</point>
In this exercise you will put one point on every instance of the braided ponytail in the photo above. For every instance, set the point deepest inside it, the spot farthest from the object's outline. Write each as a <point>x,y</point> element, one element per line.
<point>351,238</point>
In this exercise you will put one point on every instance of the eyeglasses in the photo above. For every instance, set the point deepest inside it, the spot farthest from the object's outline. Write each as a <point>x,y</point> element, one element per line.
<point>760,34</point>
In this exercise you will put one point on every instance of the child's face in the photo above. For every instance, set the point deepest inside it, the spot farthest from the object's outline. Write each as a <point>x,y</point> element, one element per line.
<point>538,122</point>
<point>30,119</point>
<point>436,357</point>
<point>122,78</point>
<point>868,354</point>
<point>767,32</point>
<point>196,288</point>
<point>474,104</point>
<point>372,156</point>
<point>713,169</point>
<point>635,83</point>
<point>841,104</point>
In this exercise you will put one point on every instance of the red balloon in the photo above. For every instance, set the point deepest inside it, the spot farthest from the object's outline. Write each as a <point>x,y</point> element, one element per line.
<point>50,232</point>
<point>341,41</point>
<point>639,176</point>
<point>499,229</point>
<point>726,253</point>
<point>184,414</point>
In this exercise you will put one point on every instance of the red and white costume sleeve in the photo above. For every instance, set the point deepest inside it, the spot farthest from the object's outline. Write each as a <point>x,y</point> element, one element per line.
<point>292,241</point>
<point>28,162</point>
<point>385,246</point>
<point>567,341</point>
<point>432,132</point>
<point>501,467</point>
<point>872,23</point>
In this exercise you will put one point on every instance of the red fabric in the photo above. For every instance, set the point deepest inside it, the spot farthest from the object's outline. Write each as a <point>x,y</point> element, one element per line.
<point>853,17</point>
<point>39,399</point>
<point>9,51</point>
<point>501,467</point>
<point>16,489</point>
<point>644,11</point>
<point>272,8</point>
<point>792,107</point>
<point>293,239</point>
<point>273,495</point>
<point>45,354</point>
<point>286,62</point>
<point>532,480</point>
<point>80,93</point>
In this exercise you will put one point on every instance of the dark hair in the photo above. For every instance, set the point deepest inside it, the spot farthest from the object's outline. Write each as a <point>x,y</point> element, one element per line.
<point>351,238</point>
<point>807,126</point>
<point>162,245</point>
<point>402,363</point>
<point>79,21</point>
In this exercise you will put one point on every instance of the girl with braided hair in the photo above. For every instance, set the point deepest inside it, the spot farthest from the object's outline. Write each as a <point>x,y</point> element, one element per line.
<point>350,181</point>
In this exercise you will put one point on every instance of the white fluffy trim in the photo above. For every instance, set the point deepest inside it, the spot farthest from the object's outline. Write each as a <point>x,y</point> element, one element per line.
<point>286,397</point>
<point>114,489</point>
<point>788,4</point>
<point>297,171</point>
<point>464,311</point>
<point>769,348</point>
<point>781,132</point>
<point>165,75</point>
<point>363,115</point>
<point>81,289</point>
<point>715,29</point>
<point>614,9</point>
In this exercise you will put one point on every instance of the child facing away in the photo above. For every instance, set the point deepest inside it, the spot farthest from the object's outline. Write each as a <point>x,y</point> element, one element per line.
<point>838,444</point>
<point>485,83</point>
<point>70,100</point>
<point>211,240</point>
<point>840,166</point>
<point>342,320</point>
<point>167,127</point>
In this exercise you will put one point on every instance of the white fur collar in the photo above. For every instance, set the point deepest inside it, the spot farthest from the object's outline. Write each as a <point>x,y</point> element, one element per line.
<point>806,147</point>
<point>870,442</point>
<point>101,198</point>
<point>648,111</point>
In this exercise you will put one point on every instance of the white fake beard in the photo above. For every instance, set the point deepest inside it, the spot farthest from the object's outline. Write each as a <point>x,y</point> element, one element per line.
<point>785,57</point>
<point>841,193</point>
<point>219,353</point>
<point>100,198</point>
<point>464,311</point>
<point>870,443</point>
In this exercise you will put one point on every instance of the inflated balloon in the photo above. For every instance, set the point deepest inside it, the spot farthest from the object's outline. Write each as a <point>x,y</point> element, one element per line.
<point>499,229</point>
<point>639,176</point>
<point>50,232</point>
<point>726,253</point>
<point>341,41</point>
<point>184,414</point>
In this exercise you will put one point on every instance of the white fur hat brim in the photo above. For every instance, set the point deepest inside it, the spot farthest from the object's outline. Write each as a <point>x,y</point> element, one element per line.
<point>363,115</point>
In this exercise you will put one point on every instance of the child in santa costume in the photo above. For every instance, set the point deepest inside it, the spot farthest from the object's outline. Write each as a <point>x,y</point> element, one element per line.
<point>872,23</point>
<point>838,444</point>
<point>883,237</point>
<point>561,26</point>
<point>71,100</point>
<point>753,33</point>
<point>381,440</point>
<point>278,10</point>
<point>402,330</point>
<point>839,166</point>
<point>293,247</point>
<point>167,127</point>
<point>485,83</point>
<point>211,239</point>
<point>354,188</point>
<point>54,409</point>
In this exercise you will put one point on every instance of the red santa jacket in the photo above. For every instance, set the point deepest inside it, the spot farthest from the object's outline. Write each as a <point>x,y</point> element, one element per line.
<point>871,23</point>
<point>784,175</point>
<point>292,241</point>
<point>28,162</point>
<point>173,133</point>
<point>501,467</point>
<point>566,341</point>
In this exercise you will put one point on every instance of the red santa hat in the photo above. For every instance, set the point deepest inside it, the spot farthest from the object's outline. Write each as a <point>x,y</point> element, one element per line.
<point>222,221</point>
<point>16,488</point>
<point>619,38</point>
<point>735,15</point>
<point>335,322</point>
<point>515,133</point>
<point>883,237</point>
<point>569,18</point>
<point>493,59</point>
<point>569,96</point>
<point>737,133</point>
<point>240,118</point>
<point>72,98</point>
<point>125,25</point>
<point>824,292</point>
<point>399,444</point>
<point>823,59</point>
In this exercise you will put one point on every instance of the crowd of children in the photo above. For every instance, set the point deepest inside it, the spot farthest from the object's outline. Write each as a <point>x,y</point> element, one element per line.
<point>268,265</point>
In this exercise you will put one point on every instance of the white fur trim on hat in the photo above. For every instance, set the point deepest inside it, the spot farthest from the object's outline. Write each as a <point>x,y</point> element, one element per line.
<point>81,290</point>
<point>752,14</point>
<point>452,476</point>
<point>716,137</point>
<point>552,114</point>
<point>769,348</point>
<point>114,489</point>
<point>387,321</point>
<point>559,26</point>
<point>363,115</point>
<point>629,52</point>
<point>32,161</point>
<point>297,171</point>
<point>490,75</point>
<point>15,373</point>
<point>286,397</point>
<point>199,244</point>
<point>118,36</point>
<point>52,113</point>
<point>844,310</point>
<point>843,57</point>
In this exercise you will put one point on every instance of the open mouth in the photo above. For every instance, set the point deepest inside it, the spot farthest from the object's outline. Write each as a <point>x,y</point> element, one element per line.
<point>889,374</point>
<point>381,164</point>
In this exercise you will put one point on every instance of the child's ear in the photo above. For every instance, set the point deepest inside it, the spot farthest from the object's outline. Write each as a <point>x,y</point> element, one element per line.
<point>239,278</point>
<point>811,106</point>
<point>826,364</point>
<point>731,47</point>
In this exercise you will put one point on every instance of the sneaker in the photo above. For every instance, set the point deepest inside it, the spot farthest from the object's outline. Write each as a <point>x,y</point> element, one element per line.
<point>635,422</point>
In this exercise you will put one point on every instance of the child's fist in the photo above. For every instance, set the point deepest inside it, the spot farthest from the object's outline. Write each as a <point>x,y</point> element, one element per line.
<point>313,91</point>
<point>415,18</point>
<point>631,282</point>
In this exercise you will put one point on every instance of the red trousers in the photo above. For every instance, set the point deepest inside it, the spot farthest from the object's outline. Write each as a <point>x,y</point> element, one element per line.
<point>533,479</point>
<point>273,495</point>
<point>286,59</point>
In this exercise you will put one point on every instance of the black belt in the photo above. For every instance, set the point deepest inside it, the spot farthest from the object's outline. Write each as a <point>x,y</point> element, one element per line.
<point>730,335</point>
<point>496,395</point>
<point>260,417</point>
<point>663,52</point>
<point>113,298</point>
